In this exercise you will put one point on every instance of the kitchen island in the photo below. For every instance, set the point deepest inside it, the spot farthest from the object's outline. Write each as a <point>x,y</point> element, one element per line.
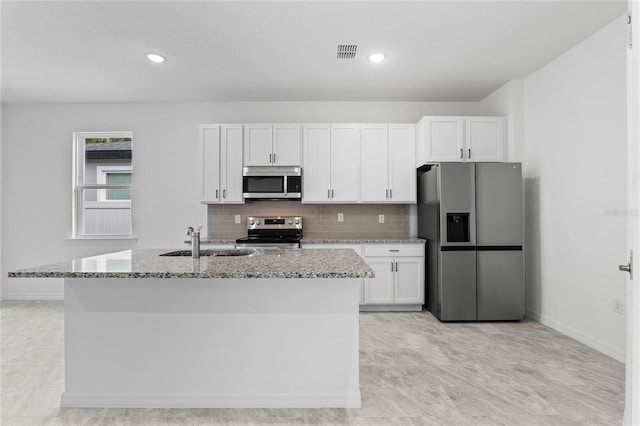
<point>277,328</point>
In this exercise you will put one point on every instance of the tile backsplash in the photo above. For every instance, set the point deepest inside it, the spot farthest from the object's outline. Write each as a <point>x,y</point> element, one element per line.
<point>319,220</point>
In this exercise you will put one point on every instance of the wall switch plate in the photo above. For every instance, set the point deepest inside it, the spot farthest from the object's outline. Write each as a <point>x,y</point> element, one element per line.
<point>237,219</point>
<point>617,306</point>
<point>340,217</point>
<point>380,218</point>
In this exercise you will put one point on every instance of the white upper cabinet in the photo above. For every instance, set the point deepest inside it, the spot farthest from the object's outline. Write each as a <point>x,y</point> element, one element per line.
<point>330,163</point>
<point>402,174</point>
<point>345,163</point>
<point>485,138</point>
<point>316,164</point>
<point>460,139</point>
<point>388,163</point>
<point>272,144</point>
<point>375,163</point>
<point>221,163</point>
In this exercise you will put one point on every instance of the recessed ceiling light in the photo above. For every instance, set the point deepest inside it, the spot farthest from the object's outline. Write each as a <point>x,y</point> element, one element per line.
<point>377,57</point>
<point>154,57</point>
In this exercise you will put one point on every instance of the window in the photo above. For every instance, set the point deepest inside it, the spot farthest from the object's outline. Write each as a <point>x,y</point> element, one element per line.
<point>102,181</point>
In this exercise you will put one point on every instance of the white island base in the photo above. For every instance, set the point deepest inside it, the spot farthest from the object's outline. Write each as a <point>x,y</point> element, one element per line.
<point>185,342</point>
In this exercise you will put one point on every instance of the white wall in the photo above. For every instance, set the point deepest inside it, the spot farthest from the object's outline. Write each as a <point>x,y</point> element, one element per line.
<point>575,170</point>
<point>36,162</point>
<point>507,101</point>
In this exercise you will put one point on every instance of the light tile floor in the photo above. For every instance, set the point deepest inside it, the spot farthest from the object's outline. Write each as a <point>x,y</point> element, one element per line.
<point>414,370</point>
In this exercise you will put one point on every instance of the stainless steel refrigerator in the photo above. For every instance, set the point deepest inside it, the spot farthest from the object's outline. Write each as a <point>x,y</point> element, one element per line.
<point>471,215</point>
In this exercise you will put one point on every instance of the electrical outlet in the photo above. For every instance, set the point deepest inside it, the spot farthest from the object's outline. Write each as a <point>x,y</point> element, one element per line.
<point>617,306</point>
<point>340,217</point>
<point>237,219</point>
<point>380,218</point>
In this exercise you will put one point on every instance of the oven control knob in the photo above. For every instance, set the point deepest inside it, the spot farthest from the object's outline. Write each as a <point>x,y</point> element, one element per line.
<point>297,221</point>
<point>252,222</point>
<point>258,221</point>
<point>290,221</point>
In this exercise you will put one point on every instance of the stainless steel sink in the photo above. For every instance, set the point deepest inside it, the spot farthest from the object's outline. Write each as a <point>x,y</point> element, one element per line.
<point>212,252</point>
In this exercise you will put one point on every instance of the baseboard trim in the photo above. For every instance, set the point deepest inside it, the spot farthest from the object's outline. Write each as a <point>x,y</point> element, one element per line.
<point>390,308</point>
<point>32,296</point>
<point>350,400</point>
<point>580,337</point>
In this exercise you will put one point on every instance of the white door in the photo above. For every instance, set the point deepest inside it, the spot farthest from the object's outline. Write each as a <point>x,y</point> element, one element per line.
<point>286,144</point>
<point>231,163</point>
<point>258,145</point>
<point>485,138</point>
<point>632,390</point>
<point>409,283</point>
<point>210,163</point>
<point>444,139</point>
<point>345,163</point>
<point>379,290</point>
<point>317,163</point>
<point>402,174</point>
<point>374,162</point>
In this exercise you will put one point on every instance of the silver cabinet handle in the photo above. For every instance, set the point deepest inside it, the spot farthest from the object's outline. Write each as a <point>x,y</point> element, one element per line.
<point>274,158</point>
<point>391,266</point>
<point>396,266</point>
<point>386,193</point>
<point>270,158</point>
<point>396,250</point>
<point>224,193</point>
<point>328,193</point>
<point>217,193</point>
<point>628,267</point>
<point>332,193</point>
<point>461,154</point>
<point>469,153</point>
<point>391,193</point>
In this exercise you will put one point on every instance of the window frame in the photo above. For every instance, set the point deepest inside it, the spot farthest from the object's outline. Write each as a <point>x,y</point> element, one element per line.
<point>78,186</point>
<point>101,174</point>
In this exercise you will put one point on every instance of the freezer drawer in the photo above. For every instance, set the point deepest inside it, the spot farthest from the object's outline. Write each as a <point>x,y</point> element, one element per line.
<point>458,296</point>
<point>500,285</point>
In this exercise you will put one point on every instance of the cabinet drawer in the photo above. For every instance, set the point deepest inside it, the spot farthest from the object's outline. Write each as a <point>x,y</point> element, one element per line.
<point>394,250</point>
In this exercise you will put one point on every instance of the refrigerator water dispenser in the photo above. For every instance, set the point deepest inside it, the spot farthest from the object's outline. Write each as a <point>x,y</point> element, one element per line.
<point>458,227</point>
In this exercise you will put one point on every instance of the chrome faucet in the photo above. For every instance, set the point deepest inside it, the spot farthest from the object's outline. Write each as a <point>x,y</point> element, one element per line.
<point>195,241</point>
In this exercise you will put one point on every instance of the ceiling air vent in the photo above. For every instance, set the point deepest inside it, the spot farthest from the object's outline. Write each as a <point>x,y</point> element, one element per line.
<point>347,51</point>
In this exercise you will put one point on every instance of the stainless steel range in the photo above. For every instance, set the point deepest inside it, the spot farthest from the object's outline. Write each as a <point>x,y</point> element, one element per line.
<point>279,231</point>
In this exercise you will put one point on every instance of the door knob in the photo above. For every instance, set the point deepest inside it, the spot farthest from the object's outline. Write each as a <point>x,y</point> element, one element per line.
<point>628,267</point>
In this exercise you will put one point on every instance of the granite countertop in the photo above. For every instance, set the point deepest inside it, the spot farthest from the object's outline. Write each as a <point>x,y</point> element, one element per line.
<point>305,240</point>
<point>402,240</point>
<point>263,263</point>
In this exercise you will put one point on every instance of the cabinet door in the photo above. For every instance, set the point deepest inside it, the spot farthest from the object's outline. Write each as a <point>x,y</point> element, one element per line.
<point>444,139</point>
<point>231,163</point>
<point>258,147</point>
<point>374,163</point>
<point>409,280</point>
<point>379,290</point>
<point>210,163</point>
<point>485,138</point>
<point>286,144</point>
<point>345,163</point>
<point>317,163</point>
<point>402,174</point>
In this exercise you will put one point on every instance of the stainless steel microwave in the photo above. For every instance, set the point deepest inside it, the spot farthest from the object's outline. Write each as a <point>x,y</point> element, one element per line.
<point>272,182</point>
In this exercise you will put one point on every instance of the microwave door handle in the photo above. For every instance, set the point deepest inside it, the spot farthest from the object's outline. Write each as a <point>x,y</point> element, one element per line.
<point>285,183</point>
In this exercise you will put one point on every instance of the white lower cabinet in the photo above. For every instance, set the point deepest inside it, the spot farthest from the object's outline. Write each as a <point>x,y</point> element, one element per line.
<point>399,280</point>
<point>399,275</point>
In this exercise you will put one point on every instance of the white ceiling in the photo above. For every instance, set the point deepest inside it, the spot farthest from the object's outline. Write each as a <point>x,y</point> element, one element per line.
<point>92,51</point>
